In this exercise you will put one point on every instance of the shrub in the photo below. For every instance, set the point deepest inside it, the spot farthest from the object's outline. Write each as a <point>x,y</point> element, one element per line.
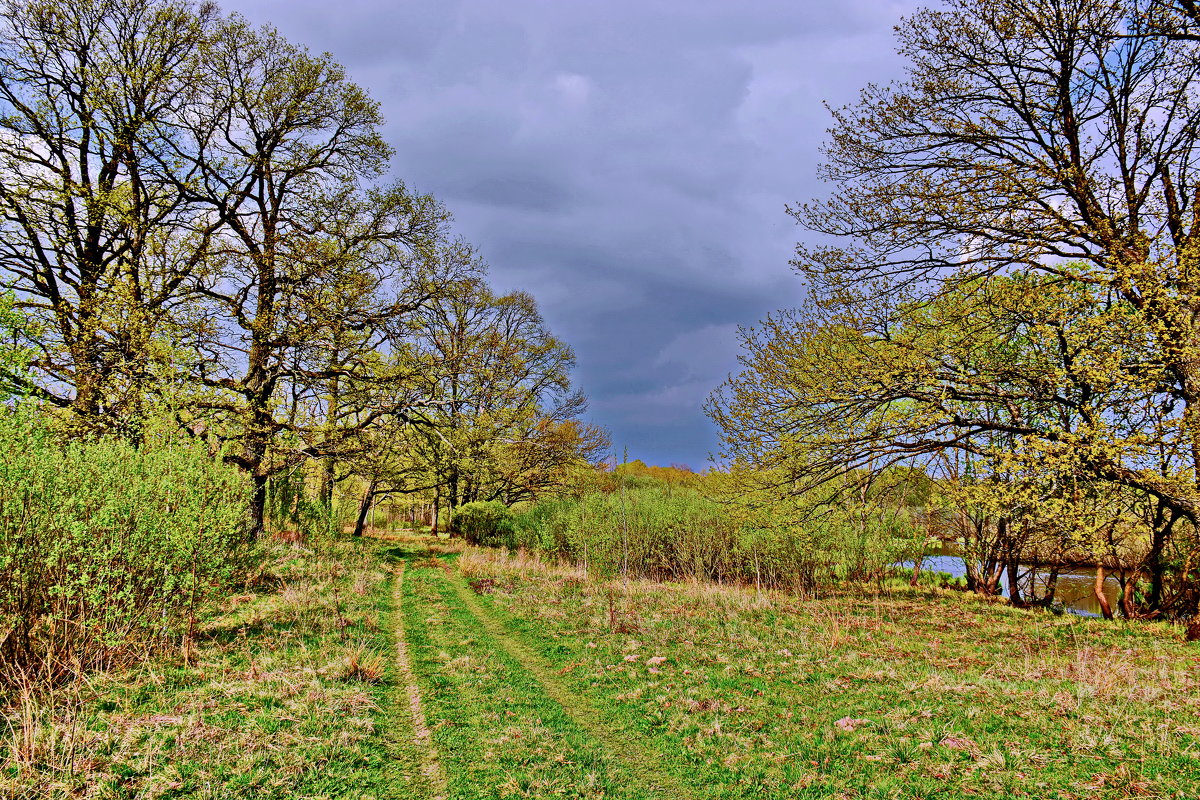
<point>106,550</point>
<point>648,528</point>
<point>485,523</point>
<point>543,526</point>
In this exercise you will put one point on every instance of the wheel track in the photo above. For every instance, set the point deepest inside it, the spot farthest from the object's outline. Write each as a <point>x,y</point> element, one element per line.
<point>431,765</point>
<point>617,740</point>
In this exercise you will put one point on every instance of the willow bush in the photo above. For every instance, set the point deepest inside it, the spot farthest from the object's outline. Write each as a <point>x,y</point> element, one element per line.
<point>107,551</point>
<point>654,530</point>
<point>647,530</point>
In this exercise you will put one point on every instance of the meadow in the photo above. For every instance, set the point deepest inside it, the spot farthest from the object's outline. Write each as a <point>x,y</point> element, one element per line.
<point>419,668</point>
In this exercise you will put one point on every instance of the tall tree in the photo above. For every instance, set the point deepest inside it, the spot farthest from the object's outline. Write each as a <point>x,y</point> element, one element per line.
<point>503,422</point>
<point>94,237</point>
<point>307,265</point>
<point>1029,136</point>
<point>1028,386</point>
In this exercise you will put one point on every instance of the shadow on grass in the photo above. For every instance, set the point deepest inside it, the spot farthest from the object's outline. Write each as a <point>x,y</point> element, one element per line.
<point>416,551</point>
<point>233,632</point>
<point>403,553</point>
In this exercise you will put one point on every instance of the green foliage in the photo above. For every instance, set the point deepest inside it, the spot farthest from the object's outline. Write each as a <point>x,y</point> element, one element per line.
<point>486,523</point>
<point>1048,326</point>
<point>14,356</point>
<point>656,531</point>
<point>291,508</point>
<point>543,526</point>
<point>719,527</point>
<point>106,550</point>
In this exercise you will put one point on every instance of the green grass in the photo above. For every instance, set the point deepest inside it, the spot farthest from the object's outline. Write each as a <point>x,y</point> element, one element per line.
<point>291,694</point>
<point>497,731</point>
<point>867,695</point>
<point>539,682</point>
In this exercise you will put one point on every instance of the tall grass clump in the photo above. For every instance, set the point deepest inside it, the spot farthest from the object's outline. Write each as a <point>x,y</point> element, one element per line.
<point>107,551</point>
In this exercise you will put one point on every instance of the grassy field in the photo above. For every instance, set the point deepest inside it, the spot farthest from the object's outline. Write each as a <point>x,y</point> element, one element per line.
<point>405,668</point>
<point>864,696</point>
<point>291,693</point>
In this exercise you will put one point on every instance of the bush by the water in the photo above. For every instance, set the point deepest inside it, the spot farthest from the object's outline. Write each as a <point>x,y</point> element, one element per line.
<point>646,527</point>
<point>107,550</point>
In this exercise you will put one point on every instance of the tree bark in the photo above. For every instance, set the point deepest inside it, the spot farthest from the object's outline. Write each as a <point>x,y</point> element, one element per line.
<point>916,573</point>
<point>1014,592</point>
<point>258,507</point>
<point>1051,587</point>
<point>1105,608</point>
<point>364,507</point>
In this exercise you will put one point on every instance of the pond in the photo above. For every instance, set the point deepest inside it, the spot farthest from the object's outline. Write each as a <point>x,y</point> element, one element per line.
<point>1075,587</point>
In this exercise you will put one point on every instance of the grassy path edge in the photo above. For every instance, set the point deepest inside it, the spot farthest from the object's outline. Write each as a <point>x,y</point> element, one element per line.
<point>617,740</point>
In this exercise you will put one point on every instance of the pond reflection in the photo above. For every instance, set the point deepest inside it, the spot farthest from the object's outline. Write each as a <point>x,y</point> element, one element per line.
<point>1075,587</point>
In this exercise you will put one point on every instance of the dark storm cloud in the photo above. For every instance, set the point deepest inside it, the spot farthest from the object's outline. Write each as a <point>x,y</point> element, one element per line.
<point>626,162</point>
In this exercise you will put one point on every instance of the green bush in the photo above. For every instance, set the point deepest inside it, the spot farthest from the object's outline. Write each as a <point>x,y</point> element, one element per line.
<point>543,526</point>
<point>485,523</point>
<point>647,528</point>
<point>106,550</point>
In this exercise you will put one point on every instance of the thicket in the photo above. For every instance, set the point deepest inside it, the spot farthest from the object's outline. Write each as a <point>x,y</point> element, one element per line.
<point>107,551</point>
<point>484,523</point>
<point>652,526</point>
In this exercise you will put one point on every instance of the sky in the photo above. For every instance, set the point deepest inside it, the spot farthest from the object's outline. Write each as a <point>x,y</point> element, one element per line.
<point>627,162</point>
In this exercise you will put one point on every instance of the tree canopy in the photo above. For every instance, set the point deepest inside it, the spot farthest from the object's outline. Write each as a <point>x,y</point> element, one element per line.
<point>195,219</point>
<point>1005,269</point>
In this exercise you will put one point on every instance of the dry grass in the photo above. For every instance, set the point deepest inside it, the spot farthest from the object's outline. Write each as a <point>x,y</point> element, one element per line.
<point>480,561</point>
<point>281,699</point>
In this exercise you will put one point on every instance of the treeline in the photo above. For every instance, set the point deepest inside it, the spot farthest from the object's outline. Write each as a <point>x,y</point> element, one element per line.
<point>209,282</point>
<point>194,224</point>
<point>1002,299</point>
<point>1004,295</point>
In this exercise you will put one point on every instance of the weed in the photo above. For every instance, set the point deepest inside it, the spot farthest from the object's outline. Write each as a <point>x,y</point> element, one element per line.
<point>364,665</point>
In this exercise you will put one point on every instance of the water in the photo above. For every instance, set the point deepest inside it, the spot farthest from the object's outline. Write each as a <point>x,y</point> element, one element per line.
<point>1075,588</point>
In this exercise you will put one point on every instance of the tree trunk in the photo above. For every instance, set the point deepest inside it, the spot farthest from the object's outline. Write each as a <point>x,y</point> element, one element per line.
<point>258,507</point>
<point>1051,587</point>
<point>364,507</point>
<point>325,490</point>
<point>1014,592</point>
<point>1105,608</point>
<point>1160,535</point>
<point>1128,607</point>
<point>327,465</point>
<point>1011,560</point>
<point>972,573</point>
<point>995,570</point>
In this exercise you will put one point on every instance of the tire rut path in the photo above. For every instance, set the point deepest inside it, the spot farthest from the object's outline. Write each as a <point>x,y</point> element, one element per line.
<point>618,741</point>
<point>431,765</point>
